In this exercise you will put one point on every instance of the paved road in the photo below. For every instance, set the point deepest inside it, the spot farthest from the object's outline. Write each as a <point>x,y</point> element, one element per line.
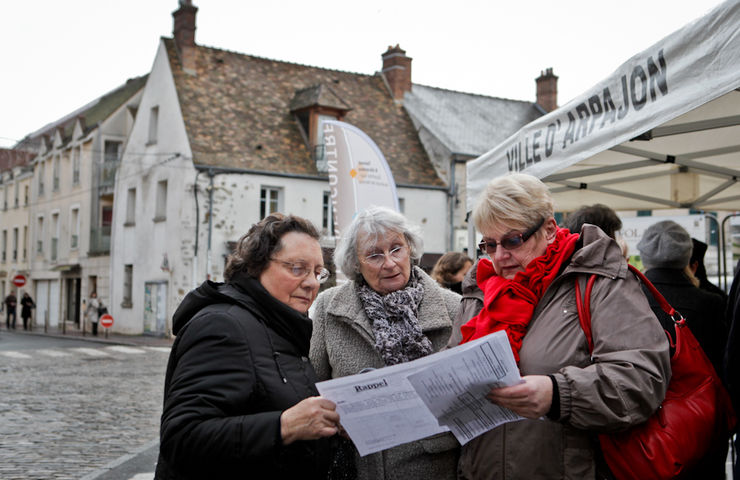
<point>72,409</point>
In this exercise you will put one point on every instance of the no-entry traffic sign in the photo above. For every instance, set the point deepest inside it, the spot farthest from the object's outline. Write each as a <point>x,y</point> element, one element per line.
<point>19,280</point>
<point>106,320</point>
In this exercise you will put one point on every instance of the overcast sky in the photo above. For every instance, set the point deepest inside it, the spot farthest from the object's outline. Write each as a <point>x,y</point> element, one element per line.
<point>59,55</point>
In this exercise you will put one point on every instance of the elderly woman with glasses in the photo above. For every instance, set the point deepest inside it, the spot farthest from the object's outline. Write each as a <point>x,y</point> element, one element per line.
<point>567,395</point>
<point>240,399</point>
<point>389,312</point>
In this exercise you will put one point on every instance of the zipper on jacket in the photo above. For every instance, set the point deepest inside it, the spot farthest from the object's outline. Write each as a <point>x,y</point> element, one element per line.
<point>276,355</point>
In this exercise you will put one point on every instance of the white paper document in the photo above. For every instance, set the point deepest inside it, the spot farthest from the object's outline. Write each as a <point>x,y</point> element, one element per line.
<point>444,391</point>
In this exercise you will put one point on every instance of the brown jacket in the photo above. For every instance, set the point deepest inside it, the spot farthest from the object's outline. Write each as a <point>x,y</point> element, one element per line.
<point>622,387</point>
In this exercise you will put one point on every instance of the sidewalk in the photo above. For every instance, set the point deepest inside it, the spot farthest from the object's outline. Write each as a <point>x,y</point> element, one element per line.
<point>112,338</point>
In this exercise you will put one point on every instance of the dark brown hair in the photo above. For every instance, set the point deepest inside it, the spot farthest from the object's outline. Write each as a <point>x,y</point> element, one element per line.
<point>255,249</point>
<point>598,214</point>
<point>448,265</point>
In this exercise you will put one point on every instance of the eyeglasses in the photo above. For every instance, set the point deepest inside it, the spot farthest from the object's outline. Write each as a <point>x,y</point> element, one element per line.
<point>397,254</point>
<point>509,242</point>
<point>299,270</point>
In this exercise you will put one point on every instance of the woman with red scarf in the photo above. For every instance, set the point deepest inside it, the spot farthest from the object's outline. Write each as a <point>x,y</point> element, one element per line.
<point>566,396</point>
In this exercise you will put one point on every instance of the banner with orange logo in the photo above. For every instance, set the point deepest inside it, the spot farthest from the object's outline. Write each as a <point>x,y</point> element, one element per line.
<point>359,176</point>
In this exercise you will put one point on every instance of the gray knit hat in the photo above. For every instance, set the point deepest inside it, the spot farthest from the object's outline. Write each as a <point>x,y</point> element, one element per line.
<point>665,244</point>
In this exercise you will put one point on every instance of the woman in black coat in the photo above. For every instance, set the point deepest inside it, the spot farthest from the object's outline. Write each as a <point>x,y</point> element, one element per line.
<point>26,306</point>
<point>665,250</point>
<point>240,400</point>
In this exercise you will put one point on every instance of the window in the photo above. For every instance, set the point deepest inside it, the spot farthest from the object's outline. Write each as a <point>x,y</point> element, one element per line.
<point>153,124</point>
<point>106,217</point>
<point>5,196</point>
<point>76,166</point>
<point>15,195</point>
<point>402,205</point>
<point>25,239</point>
<point>4,245</point>
<point>54,236</point>
<point>74,227</point>
<point>321,161</point>
<point>270,201</point>
<point>128,278</point>
<point>327,215</point>
<point>110,164</point>
<point>42,173</point>
<point>55,174</point>
<point>40,236</point>
<point>160,211</point>
<point>112,151</point>
<point>15,244</point>
<point>25,195</point>
<point>130,207</point>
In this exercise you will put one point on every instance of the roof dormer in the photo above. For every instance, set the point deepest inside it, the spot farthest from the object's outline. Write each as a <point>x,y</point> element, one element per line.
<point>312,105</point>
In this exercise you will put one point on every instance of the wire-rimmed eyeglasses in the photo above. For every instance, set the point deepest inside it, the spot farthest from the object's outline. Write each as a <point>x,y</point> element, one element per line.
<point>509,242</point>
<point>397,254</point>
<point>300,270</point>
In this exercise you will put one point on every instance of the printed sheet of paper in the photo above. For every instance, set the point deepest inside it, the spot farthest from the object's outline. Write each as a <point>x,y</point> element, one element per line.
<point>455,390</point>
<point>381,408</point>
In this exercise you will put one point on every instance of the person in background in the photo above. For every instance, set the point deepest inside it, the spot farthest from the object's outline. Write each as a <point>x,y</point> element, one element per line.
<point>597,214</point>
<point>10,304</point>
<point>240,399</point>
<point>91,312</point>
<point>696,263</point>
<point>27,306</point>
<point>665,249</point>
<point>731,360</point>
<point>389,312</point>
<point>450,270</point>
<point>566,396</point>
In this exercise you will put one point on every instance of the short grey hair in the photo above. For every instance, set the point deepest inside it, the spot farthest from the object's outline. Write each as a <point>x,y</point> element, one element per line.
<point>375,222</point>
<point>516,200</point>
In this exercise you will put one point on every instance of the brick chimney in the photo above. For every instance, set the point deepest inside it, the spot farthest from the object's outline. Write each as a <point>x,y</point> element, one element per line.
<point>184,33</point>
<point>547,90</point>
<point>397,71</point>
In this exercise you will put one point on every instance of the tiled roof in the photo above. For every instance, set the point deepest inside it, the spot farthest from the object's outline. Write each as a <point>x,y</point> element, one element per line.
<point>93,113</point>
<point>237,112</point>
<point>468,124</point>
<point>10,158</point>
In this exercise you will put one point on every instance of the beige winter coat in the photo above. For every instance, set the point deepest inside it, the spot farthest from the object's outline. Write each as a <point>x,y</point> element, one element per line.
<point>343,344</point>
<point>622,387</point>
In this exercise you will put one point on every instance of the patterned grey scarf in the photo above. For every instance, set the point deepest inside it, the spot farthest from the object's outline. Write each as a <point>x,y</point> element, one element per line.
<point>398,337</point>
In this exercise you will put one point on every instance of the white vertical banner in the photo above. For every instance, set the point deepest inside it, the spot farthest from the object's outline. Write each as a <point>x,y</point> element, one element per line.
<point>359,176</point>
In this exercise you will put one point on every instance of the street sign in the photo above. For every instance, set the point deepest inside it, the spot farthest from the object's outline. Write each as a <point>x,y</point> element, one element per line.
<point>19,280</point>
<point>106,320</point>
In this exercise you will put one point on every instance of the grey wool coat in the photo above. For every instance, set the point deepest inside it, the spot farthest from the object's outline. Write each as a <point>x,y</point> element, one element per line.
<point>343,344</point>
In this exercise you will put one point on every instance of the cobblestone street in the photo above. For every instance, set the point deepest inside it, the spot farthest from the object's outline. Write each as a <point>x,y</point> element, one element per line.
<point>66,412</point>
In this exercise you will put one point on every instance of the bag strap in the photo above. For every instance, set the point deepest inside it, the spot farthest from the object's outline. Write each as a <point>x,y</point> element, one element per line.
<point>583,304</point>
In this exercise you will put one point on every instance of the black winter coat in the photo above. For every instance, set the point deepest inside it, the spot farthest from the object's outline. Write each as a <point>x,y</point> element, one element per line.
<point>240,359</point>
<point>704,311</point>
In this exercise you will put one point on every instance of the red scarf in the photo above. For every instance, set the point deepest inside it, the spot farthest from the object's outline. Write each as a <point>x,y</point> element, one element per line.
<point>509,304</point>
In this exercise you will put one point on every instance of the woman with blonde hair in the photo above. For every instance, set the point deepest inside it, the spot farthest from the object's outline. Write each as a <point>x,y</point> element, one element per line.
<point>567,395</point>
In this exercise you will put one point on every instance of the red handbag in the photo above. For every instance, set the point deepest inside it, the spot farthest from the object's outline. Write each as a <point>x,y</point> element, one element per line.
<point>695,415</point>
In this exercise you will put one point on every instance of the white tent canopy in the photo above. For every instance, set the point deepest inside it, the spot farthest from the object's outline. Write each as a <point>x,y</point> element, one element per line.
<point>663,131</point>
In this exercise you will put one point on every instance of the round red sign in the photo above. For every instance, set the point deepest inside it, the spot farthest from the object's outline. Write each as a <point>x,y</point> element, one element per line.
<point>106,320</point>
<point>19,280</point>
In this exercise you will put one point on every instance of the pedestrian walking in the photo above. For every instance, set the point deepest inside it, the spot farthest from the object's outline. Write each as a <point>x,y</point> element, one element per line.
<point>10,303</point>
<point>92,312</point>
<point>26,306</point>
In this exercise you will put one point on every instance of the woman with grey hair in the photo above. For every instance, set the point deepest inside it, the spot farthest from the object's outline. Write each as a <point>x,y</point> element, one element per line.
<point>389,312</point>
